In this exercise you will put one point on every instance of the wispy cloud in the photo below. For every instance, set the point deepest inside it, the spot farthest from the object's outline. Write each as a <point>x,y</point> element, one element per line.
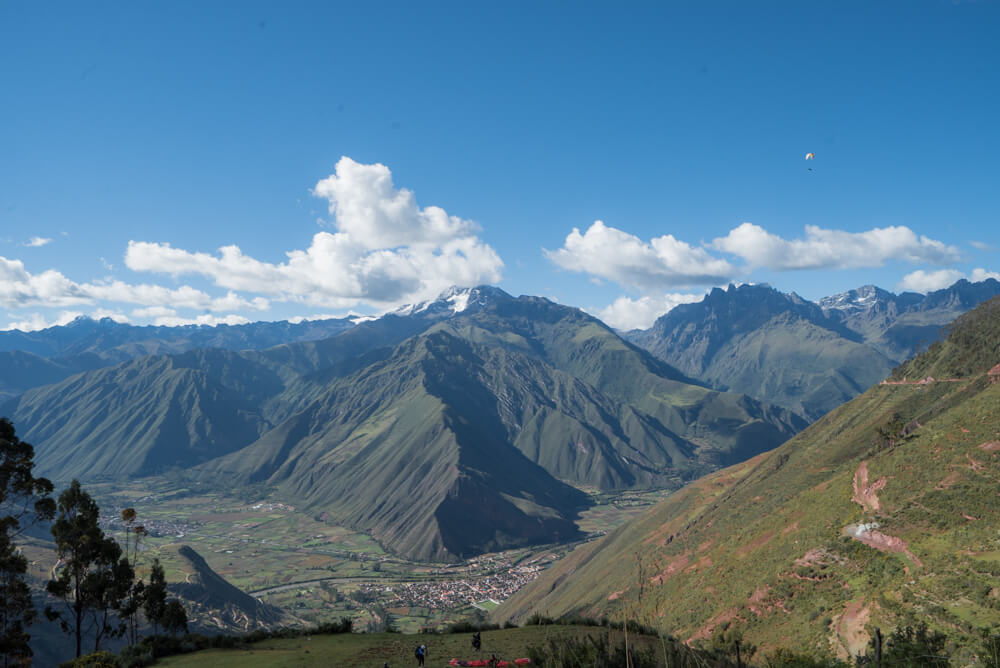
<point>19,288</point>
<point>35,242</point>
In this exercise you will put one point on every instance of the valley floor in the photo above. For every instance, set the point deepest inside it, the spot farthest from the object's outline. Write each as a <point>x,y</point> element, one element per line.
<point>317,572</point>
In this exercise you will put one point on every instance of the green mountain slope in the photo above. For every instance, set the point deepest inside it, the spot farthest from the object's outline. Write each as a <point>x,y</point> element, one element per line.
<point>145,416</point>
<point>882,513</point>
<point>406,448</point>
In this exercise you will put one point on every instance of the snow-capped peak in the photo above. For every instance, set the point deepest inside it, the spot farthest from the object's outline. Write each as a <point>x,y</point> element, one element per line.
<point>862,299</point>
<point>459,301</point>
<point>454,300</point>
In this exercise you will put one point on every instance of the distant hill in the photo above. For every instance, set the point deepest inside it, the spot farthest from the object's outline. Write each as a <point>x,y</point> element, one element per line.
<point>400,425</point>
<point>32,359</point>
<point>808,357</point>
<point>882,513</point>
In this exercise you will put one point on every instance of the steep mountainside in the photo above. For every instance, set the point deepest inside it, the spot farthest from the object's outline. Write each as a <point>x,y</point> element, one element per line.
<point>882,513</point>
<point>767,344</point>
<point>145,416</point>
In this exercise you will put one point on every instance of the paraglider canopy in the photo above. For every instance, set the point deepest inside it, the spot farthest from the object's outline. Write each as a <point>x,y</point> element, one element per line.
<point>810,156</point>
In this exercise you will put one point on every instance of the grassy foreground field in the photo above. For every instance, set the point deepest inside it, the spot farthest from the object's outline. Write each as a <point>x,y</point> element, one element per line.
<point>351,650</point>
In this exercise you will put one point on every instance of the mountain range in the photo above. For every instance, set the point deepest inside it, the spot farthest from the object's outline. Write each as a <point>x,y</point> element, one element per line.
<point>398,425</point>
<point>882,513</point>
<point>30,359</point>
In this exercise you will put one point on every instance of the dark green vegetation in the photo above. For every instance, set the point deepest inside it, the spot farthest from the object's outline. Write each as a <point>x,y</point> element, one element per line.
<point>882,513</point>
<point>93,577</point>
<point>808,357</point>
<point>23,498</point>
<point>399,425</point>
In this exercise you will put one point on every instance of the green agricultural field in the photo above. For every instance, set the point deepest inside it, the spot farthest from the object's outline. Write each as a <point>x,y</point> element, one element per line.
<point>314,570</point>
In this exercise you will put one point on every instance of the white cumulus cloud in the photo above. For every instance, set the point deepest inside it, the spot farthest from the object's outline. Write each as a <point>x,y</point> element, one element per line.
<point>19,288</point>
<point>928,281</point>
<point>386,250</point>
<point>35,242</point>
<point>610,253</point>
<point>626,313</point>
<point>833,249</point>
<point>980,274</point>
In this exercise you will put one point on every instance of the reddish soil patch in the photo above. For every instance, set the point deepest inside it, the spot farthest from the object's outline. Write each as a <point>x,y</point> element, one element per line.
<point>948,480</point>
<point>794,526</point>
<point>850,629</point>
<point>990,446</point>
<point>969,517</point>
<point>757,597</point>
<point>886,543</point>
<point>973,464</point>
<point>614,595</point>
<point>704,546</point>
<point>822,486</point>
<point>704,562</point>
<point>706,630</point>
<point>866,494</point>
<point>813,556</point>
<point>761,540</point>
<point>674,566</point>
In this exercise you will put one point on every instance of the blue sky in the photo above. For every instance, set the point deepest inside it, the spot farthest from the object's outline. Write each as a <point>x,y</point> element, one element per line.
<point>355,156</point>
